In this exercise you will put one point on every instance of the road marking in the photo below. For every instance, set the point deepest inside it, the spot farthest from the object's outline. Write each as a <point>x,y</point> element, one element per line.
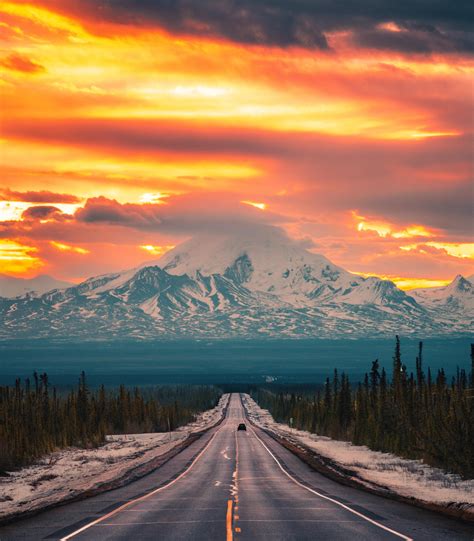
<point>168,509</point>
<point>230,535</point>
<point>297,520</point>
<point>141,498</point>
<point>262,507</point>
<point>114,524</point>
<point>235,477</point>
<point>258,477</point>
<point>374,522</point>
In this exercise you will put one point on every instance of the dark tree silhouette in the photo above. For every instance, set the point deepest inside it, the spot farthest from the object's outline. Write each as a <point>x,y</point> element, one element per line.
<point>411,416</point>
<point>39,420</point>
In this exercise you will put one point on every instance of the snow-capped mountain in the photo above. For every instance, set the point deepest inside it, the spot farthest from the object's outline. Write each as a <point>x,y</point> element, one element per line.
<point>11,287</point>
<point>228,286</point>
<point>457,297</point>
<point>271,263</point>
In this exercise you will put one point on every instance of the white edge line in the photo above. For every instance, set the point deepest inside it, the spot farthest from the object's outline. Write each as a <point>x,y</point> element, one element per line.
<point>398,534</point>
<point>141,498</point>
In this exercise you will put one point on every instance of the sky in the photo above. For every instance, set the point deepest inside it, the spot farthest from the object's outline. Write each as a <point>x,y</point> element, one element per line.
<point>129,126</point>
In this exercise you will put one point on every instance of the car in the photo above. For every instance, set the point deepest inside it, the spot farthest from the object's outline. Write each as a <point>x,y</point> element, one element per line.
<point>242,426</point>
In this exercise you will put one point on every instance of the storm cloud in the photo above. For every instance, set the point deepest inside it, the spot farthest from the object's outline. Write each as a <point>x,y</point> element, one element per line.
<point>422,26</point>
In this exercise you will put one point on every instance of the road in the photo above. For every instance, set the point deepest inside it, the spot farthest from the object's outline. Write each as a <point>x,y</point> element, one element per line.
<point>233,485</point>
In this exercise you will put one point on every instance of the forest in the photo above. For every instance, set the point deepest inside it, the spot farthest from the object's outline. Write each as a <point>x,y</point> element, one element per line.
<point>35,418</point>
<point>414,415</point>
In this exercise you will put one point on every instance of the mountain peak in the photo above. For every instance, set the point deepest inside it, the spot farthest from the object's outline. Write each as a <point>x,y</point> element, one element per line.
<point>456,296</point>
<point>460,283</point>
<point>215,253</point>
<point>11,286</point>
<point>253,283</point>
<point>265,259</point>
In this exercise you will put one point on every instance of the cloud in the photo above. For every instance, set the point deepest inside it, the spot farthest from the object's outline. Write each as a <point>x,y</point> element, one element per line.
<point>20,62</point>
<point>42,196</point>
<point>106,220</point>
<point>108,211</point>
<point>447,207</point>
<point>42,213</point>
<point>181,215</point>
<point>150,136</point>
<point>243,21</point>
<point>111,235</point>
<point>427,27</point>
<point>398,181</point>
<point>414,38</point>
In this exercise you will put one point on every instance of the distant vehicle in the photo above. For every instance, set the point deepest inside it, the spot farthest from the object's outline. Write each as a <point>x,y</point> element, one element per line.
<point>242,426</point>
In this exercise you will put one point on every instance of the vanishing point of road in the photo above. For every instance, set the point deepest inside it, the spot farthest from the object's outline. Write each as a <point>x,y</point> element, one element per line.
<point>235,485</point>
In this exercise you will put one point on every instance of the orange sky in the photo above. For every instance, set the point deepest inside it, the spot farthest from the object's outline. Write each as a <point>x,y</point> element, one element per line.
<point>120,139</point>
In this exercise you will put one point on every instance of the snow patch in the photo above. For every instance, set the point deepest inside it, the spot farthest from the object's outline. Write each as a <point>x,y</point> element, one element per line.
<point>73,471</point>
<point>409,478</point>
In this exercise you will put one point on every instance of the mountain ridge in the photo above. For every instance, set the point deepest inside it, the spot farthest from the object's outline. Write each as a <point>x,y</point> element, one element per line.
<point>234,286</point>
<point>11,286</point>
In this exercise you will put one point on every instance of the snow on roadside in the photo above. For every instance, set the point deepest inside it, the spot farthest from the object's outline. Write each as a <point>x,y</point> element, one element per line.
<point>408,478</point>
<point>70,472</point>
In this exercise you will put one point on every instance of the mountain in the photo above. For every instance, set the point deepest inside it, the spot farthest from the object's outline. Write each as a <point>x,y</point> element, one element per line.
<point>13,287</point>
<point>271,263</point>
<point>456,299</point>
<point>256,285</point>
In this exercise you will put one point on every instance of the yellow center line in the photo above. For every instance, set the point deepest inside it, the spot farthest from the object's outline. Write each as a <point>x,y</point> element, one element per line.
<point>145,496</point>
<point>236,480</point>
<point>230,535</point>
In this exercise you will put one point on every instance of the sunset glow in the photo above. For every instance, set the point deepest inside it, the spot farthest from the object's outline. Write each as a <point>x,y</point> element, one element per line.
<point>68,248</point>
<point>408,283</point>
<point>465,250</point>
<point>261,206</point>
<point>123,134</point>
<point>16,258</point>
<point>384,229</point>
<point>156,250</point>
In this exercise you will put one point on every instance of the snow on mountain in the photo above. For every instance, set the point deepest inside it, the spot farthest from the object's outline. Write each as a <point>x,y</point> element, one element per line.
<point>263,284</point>
<point>458,296</point>
<point>11,287</point>
<point>270,262</point>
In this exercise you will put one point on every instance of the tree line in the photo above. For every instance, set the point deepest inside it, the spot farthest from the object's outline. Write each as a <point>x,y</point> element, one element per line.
<point>414,415</point>
<point>36,419</point>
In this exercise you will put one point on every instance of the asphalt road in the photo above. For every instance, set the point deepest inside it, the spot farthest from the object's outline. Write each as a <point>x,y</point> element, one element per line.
<point>236,485</point>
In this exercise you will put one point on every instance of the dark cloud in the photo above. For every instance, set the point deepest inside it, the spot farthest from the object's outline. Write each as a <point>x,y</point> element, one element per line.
<point>19,62</point>
<point>104,220</point>
<point>42,212</point>
<point>448,208</point>
<point>42,196</point>
<point>180,215</point>
<point>427,26</point>
<point>415,38</point>
<point>111,212</point>
<point>244,21</point>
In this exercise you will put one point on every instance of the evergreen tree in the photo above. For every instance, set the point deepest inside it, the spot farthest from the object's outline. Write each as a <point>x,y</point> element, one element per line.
<point>38,420</point>
<point>411,416</point>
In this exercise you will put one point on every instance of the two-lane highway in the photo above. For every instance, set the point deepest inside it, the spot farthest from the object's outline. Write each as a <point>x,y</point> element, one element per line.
<point>236,485</point>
